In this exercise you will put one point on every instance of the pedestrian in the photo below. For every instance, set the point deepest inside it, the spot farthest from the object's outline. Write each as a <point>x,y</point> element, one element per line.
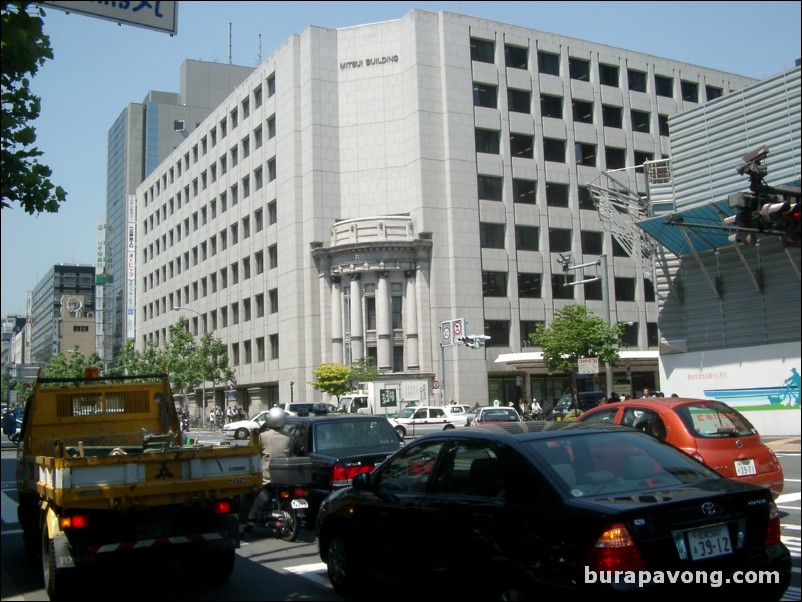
<point>603,401</point>
<point>537,410</point>
<point>646,394</point>
<point>613,397</point>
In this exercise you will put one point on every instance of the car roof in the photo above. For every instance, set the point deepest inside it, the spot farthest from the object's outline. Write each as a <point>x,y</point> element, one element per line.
<point>528,431</point>
<point>659,402</point>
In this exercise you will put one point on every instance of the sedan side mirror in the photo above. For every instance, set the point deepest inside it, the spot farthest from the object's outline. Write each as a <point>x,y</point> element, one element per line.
<point>361,481</point>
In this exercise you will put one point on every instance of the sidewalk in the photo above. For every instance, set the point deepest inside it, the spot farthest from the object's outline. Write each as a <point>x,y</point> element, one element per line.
<point>792,443</point>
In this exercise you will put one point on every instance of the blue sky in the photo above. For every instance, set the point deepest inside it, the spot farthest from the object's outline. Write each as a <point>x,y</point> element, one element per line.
<point>100,67</point>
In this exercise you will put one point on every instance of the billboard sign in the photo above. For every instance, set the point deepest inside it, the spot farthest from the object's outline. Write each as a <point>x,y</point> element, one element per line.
<point>158,16</point>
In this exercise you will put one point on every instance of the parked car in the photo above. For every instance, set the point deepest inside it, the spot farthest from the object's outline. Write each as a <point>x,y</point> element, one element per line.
<point>709,430</point>
<point>241,429</point>
<point>462,412</point>
<point>304,408</point>
<point>414,421</point>
<point>536,514</point>
<point>585,400</point>
<point>491,414</point>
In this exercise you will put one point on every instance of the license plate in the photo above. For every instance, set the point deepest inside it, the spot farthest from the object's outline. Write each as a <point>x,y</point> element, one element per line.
<point>151,529</point>
<point>709,542</point>
<point>299,504</point>
<point>745,468</point>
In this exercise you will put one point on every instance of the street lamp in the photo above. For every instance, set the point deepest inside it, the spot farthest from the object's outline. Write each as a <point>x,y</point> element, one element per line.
<point>203,384</point>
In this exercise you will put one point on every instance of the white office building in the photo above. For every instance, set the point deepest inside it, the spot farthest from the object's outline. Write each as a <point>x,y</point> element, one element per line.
<point>366,184</point>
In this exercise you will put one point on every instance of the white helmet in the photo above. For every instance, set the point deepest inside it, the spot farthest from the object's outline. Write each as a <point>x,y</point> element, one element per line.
<point>276,418</point>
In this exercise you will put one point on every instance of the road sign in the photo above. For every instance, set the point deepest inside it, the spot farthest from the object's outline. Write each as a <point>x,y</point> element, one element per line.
<point>458,328</point>
<point>446,334</point>
<point>435,385</point>
<point>588,365</point>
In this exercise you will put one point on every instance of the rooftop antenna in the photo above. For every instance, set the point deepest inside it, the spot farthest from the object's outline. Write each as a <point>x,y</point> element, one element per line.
<point>229,43</point>
<point>259,55</point>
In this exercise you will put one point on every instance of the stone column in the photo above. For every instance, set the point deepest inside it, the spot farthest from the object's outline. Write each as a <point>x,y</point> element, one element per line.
<point>357,333</point>
<point>410,310</point>
<point>384,325</point>
<point>336,320</point>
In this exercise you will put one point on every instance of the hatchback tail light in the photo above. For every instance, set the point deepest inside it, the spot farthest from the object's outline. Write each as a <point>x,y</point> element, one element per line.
<point>341,474</point>
<point>773,528</point>
<point>615,550</point>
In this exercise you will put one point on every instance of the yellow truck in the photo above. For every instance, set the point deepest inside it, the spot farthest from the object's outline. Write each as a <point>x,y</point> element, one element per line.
<point>104,471</point>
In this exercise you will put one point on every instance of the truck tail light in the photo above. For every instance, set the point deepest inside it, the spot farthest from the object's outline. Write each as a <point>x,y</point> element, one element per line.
<point>341,474</point>
<point>222,507</point>
<point>76,521</point>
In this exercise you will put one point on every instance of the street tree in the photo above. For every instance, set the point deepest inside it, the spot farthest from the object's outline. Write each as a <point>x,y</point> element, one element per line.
<point>60,366</point>
<point>332,378</point>
<point>180,355</point>
<point>577,333</point>
<point>212,358</point>
<point>363,370</point>
<point>131,361</point>
<point>25,48</point>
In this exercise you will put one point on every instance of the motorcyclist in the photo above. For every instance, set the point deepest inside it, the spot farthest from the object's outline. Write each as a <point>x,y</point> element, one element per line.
<point>275,444</point>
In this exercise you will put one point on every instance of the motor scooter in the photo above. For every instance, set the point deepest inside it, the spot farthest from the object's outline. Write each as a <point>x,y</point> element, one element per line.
<point>281,510</point>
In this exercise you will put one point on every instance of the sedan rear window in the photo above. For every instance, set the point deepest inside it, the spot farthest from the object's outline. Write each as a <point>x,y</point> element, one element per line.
<point>338,435</point>
<point>714,420</point>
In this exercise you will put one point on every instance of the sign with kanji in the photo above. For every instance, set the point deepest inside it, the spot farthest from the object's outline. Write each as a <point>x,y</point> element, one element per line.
<point>387,397</point>
<point>588,365</point>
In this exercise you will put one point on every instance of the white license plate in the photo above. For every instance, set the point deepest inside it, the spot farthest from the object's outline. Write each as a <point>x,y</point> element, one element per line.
<point>299,504</point>
<point>745,468</point>
<point>709,542</point>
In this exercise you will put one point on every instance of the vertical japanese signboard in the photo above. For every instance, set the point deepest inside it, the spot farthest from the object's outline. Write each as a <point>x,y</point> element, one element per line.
<point>130,250</point>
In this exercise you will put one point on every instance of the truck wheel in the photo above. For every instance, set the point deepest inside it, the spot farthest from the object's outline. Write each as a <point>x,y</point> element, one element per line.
<point>242,433</point>
<point>401,431</point>
<point>57,581</point>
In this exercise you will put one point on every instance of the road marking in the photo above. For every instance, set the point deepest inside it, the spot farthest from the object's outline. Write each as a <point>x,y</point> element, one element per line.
<point>787,498</point>
<point>314,572</point>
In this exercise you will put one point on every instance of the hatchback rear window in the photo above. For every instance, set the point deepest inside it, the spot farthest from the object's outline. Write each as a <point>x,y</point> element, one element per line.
<point>714,420</point>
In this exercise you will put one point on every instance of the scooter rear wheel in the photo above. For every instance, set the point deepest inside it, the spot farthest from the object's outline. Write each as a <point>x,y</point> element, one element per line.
<point>290,525</point>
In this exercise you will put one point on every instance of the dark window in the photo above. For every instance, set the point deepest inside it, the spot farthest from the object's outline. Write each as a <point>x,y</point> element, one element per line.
<point>579,69</point>
<point>608,75</point>
<point>518,101</point>
<point>482,50</point>
<point>559,240</point>
<point>592,243</point>
<point>652,334</point>
<point>516,57</point>
<point>556,195</point>
<point>491,236</point>
<point>499,333</point>
<point>690,91</point>
<point>586,199</point>
<point>664,86</point>
<point>618,250</point>
<point>490,188</point>
<point>494,284</point>
<point>529,285</point>
<point>712,92</point>
<point>554,150</point>
<point>488,141</point>
<point>585,154</point>
<point>640,121</point>
<point>559,290</point>
<point>662,124</point>
<point>528,328</point>
<point>593,290</point>
<point>641,158</point>
<point>524,191</point>
<point>630,335</point>
<point>526,238</point>
<point>551,106</point>
<point>521,145</point>
<point>583,111</point>
<point>616,157</point>
<point>612,116</point>
<point>548,62</point>
<point>637,80</point>
<point>484,95</point>
<point>648,290</point>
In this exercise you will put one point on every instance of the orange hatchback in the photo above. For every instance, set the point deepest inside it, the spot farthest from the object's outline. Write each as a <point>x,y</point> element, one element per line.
<point>710,431</point>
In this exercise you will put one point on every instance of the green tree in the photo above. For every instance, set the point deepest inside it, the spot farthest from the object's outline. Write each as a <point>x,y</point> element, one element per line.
<point>363,370</point>
<point>576,333</point>
<point>212,358</point>
<point>61,367</point>
<point>334,379</point>
<point>25,48</point>
<point>131,362</point>
<point>181,358</point>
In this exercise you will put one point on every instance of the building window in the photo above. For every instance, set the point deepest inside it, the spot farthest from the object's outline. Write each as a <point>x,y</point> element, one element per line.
<point>690,91</point>
<point>271,213</point>
<point>273,300</point>
<point>271,85</point>
<point>556,194</point>
<point>549,63</point>
<point>482,51</point>
<point>528,328</point>
<point>560,286</point>
<point>491,236</point>
<point>522,145</point>
<point>652,334</point>
<point>259,219</point>
<point>712,92</point>
<point>636,80</point>
<point>398,358</point>
<point>524,191</point>
<point>273,346</point>
<point>593,290</point>
<point>551,106</point>
<point>608,75</point>
<point>618,250</point>
<point>585,154</point>
<point>396,306</point>
<point>271,170</point>
<point>272,256</point>
<point>554,150</point>
<point>260,349</point>
<point>370,313</point>
<point>260,305</point>
<point>559,240</point>
<point>259,258</point>
<point>271,127</point>
<point>586,199</point>
<point>592,242</point>
<point>664,86</point>
<point>630,335</point>
<point>516,57</point>
<point>246,310</point>
<point>499,333</point>
<point>488,141</point>
<point>662,124</point>
<point>246,268</point>
<point>518,101</point>
<point>494,284</point>
<point>615,157</point>
<point>612,117</point>
<point>257,97</point>
<point>235,354</point>
<point>583,111</point>
<point>527,238</point>
<point>640,121</point>
<point>641,158</point>
<point>484,95</point>
<point>579,69</point>
<point>489,188</point>
<point>648,290</point>
<point>529,285</point>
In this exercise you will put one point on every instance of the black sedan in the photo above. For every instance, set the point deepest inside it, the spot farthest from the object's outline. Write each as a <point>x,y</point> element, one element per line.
<point>581,510</point>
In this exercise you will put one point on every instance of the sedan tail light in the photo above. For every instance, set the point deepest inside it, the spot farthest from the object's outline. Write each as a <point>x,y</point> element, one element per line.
<point>341,474</point>
<point>615,550</point>
<point>773,528</point>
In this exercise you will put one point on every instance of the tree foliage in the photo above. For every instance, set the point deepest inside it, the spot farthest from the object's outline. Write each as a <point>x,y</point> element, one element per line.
<point>60,366</point>
<point>332,378</point>
<point>25,48</point>
<point>576,333</point>
<point>363,370</point>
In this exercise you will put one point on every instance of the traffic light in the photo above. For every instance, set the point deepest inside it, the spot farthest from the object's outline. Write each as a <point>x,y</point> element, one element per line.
<point>772,213</point>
